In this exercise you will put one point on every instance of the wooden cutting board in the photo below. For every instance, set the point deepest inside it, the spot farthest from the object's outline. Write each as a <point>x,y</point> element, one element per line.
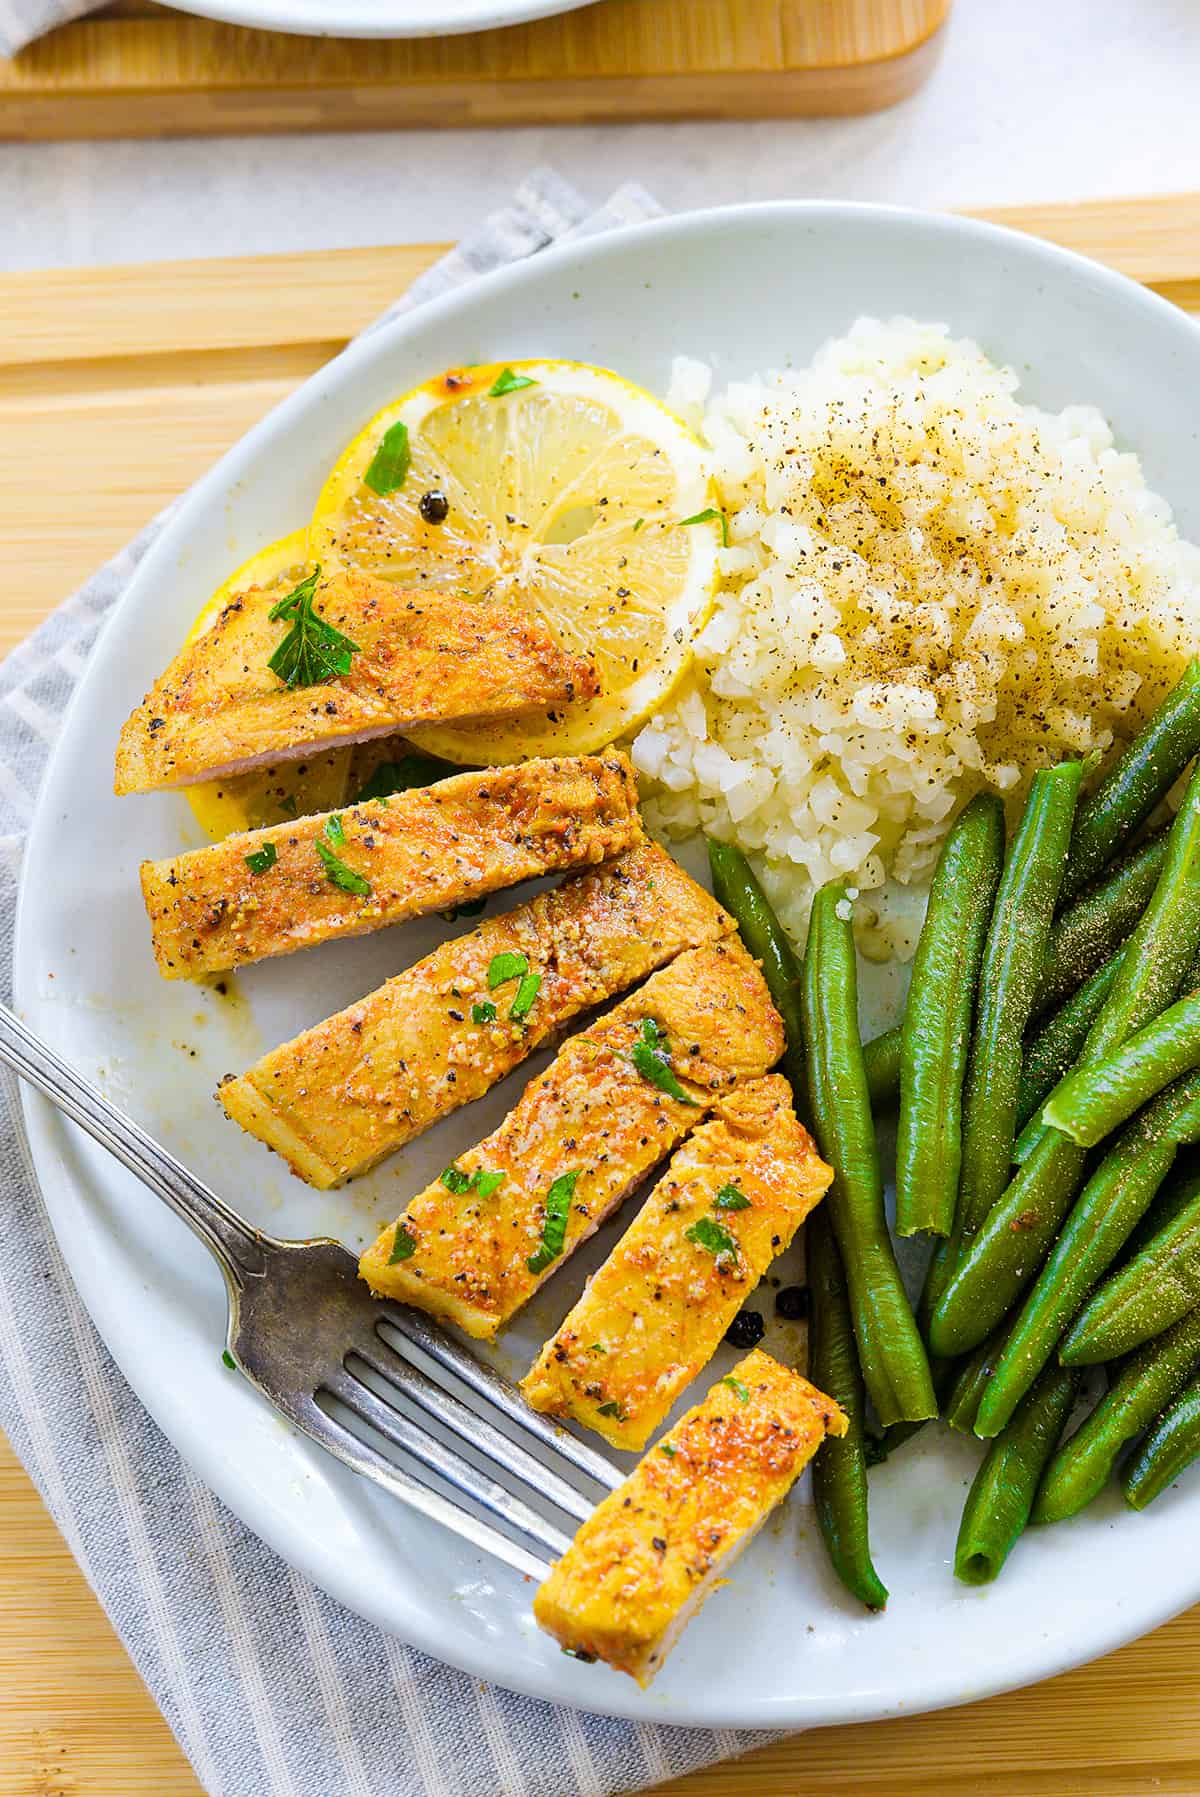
<point>136,70</point>
<point>117,388</point>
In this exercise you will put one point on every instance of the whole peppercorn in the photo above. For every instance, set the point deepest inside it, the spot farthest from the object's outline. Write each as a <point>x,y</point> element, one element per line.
<point>434,506</point>
<point>746,1330</point>
<point>792,1302</point>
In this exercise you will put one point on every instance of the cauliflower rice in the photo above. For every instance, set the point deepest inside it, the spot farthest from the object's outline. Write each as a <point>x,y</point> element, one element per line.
<point>929,588</point>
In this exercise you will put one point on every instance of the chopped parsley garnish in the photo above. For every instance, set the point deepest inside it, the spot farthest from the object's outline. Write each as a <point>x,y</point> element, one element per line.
<point>484,1013</point>
<point>484,1180</point>
<point>612,1408</point>
<point>334,830</point>
<point>554,1223</point>
<point>511,965</point>
<point>261,859</point>
<point>707,1234</point>
<point>527,991</point>
<point>597,1348</point>
<point>403,1246</point>
<point>312,651</point>
<point>709,515</point>
<point>637,525</point>
<point>403,775</point>
<point>230,1362</point>
<point>649,1056</point>
<point>736,1385</point>
<point>668,1450</point>
<point>339,875</point>
<point>508,382</point>
<point>389,465</point>
<point>729,1198</point>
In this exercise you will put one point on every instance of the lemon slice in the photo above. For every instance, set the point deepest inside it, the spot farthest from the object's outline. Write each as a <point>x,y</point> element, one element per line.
<point>556,487</point>
<point>267,795</point>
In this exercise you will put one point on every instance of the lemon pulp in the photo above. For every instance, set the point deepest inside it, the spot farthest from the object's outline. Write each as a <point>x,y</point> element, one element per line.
<point>568,493</point>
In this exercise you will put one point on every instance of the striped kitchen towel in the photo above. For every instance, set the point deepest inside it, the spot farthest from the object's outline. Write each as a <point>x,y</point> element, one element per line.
<point>272,1688</point>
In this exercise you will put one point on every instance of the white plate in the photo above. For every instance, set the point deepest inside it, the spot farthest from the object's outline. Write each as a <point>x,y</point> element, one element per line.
<point>377,18</point>
<point>746,288</point>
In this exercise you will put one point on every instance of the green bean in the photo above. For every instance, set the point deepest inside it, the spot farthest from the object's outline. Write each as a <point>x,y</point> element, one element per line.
<point>1118,1193</point>
<point>881,1059</point>
<point>839,1470</point>
<point>1147,1382</point>
<point>1012,960</point>
<point>1156,1285</point>
<point>1056,1047</point>
<point>1099,922</point>
<point>1170,1447</point>
<point>881,1447</point>
<point>1001,1497</point>
<point>1160,953</point>
<point>890,1350</point>
<point>1137,782</point>
<point>735,887</point>
<point>962,1404</point>
<point>936,1032</point>
<point>1009,1248</point>
<point>1095,1100</point>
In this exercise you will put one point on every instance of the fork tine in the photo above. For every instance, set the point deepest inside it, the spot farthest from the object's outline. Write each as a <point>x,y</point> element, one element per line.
<point>495,1389</point>
<point>431,1453</point>
<point>332,1435</point>
<point>469,1426</point>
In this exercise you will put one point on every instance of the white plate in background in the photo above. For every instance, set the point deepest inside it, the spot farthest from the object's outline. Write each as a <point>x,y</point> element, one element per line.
<point>745,288</point>
<point>377,18</point>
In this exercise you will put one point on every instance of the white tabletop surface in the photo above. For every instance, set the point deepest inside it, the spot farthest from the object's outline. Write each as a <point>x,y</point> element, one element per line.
<point>1032,100</point>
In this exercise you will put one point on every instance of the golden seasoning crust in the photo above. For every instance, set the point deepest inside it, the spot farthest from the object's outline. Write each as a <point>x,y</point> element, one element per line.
<point>420,851</point>
<point>591,1114</point>
<point>422,658</point>
<point>648,1556</point>
<point>654,1314</point>
<point>340,1097</point>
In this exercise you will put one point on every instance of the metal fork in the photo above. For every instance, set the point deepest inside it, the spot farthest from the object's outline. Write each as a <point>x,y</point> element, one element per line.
<point>301,1326</point>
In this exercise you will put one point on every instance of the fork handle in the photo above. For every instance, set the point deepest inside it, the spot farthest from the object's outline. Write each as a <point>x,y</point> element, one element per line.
<point>237,1247</point>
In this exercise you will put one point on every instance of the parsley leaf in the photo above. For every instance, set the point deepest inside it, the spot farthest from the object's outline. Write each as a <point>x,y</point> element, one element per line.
<point>649,1056</point>
<point>389,465</point>
<point>709,515</point>
<point>334,830</point>
<point>341,876</point>
<point>668,1450</point>
<point>527,991</point>
<point>554,1224</point>
<point>510,965</point>
<point>312,651</point>
<point>612,1408</point>
<point>261,859</point>
<point>707,1234</point>
<point>729,1198</point>
<point>508,382</point>
<point>403,1246</point>
<point>403,775</point>
<point>230,1362</point>
<point>484,1013</point>
<point>484,1180</point>
<point>736,1385</point>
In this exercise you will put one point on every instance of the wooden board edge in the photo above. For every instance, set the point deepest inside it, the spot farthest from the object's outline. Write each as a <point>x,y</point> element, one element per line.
<point>153,83</point>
